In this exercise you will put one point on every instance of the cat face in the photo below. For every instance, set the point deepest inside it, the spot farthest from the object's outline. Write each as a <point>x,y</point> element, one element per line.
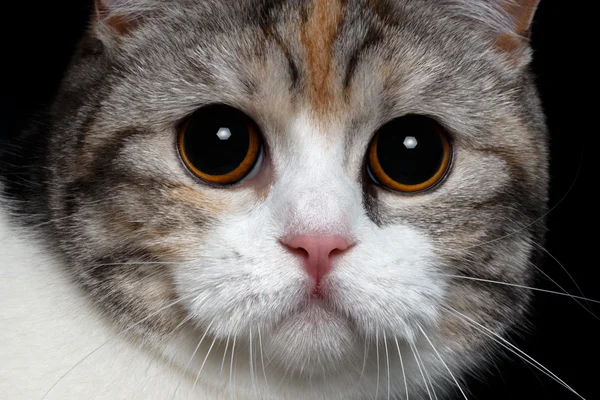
<point>319,82</point>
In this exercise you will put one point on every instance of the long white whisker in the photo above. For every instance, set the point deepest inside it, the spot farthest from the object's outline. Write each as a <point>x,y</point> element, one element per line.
<point>252,375</point>
<point>568,274</point>
<point>231,365</point>
<point>224,355</point>
<point>262,361</point>
<point>542,248</point>
<point>514,349</point>
<point>183,321</point>
<point>95,266</point>
<point>412,348</point>
<point>401,366</point>
<point>364,364</point>
<point>426,374</point>
<point>387,362</point>
<point>204,362</point>
<point>535,221</point>
<point>443,362</point>
<point>377,350</point>
<point>192,357</point>
<point>564,291</point>
<point>113,339</point>
<point>520,286</point>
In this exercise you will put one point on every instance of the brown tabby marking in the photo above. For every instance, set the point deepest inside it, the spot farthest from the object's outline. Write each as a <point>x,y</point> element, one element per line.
<point>318,34</point>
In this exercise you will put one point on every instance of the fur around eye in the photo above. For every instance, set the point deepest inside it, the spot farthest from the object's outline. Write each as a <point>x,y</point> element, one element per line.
<point>409,154</point>
<point>220,144</point>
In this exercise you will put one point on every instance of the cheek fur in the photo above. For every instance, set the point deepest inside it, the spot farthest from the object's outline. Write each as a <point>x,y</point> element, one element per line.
<point>388,280</point>
<point>242,275</point>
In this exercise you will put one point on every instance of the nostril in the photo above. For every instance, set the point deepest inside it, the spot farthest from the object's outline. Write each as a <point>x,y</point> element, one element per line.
<point>337,251</point>
<point>296,250</point>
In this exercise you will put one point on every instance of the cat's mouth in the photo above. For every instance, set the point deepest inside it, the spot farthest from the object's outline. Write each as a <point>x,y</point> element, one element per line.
<point>320,307</point>
<point>312,339</point>
<point>318,293</point>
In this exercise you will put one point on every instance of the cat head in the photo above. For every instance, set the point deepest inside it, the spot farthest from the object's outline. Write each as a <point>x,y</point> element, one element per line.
<point>334,176</point>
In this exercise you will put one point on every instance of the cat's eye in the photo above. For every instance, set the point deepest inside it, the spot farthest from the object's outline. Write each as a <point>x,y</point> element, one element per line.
<point>220,144</point>
<point>409,154</point>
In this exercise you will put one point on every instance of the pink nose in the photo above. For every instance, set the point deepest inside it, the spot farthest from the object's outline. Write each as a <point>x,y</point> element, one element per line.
<point>317,252</point>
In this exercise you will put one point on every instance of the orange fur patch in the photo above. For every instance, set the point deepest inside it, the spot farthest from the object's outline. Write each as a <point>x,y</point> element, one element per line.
<point>317,35</point>
<point>513,43</point>
<point>509,42</point>
<point>121,24</point>
<point>194,198</point>
<point>522,12</point>
<point>512,47</point>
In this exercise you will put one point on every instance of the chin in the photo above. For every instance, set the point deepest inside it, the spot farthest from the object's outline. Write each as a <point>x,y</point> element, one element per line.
<point>314,341</point>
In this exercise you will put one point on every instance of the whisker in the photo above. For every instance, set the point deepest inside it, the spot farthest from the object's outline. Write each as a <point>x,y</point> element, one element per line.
<point>514,349</point>
<point>192,357</point>
<point>442,360</point>
<point>426,374</point>
<point>540,218</point>
<point>387,362</point>
<point>364,364</point>
<point>231,365</point>
<point>113,339</point>
<point>252,376</point>
<point>224,354</point>
<point>565,291</point>
<point>183,321</point>
<point>542,248</point>
<point>95,266</point>
<point>204,362</point>
<point>566,271</point>
<point>412,348</point>
<point>520,286</point>
<point>377,350</point>
<point>262,361</point>
<point>401,366</point>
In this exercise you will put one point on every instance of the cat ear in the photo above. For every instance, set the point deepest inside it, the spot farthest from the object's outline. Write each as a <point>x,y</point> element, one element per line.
<point>115,18</point>
<point>514,40</point>
<point>521,13</point>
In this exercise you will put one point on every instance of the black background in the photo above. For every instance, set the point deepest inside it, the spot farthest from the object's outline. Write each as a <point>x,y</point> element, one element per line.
<point>38,38</point>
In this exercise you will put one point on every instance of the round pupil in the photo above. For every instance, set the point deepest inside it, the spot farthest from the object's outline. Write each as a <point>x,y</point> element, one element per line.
<point>410,152</point>
<point>217,140</point>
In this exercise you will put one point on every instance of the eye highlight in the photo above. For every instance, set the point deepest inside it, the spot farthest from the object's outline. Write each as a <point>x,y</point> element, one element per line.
<point>409,154</point>
<point>219,144</point>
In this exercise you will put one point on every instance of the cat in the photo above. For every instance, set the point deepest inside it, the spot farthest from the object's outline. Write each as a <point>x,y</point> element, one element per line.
<point>286,200</point>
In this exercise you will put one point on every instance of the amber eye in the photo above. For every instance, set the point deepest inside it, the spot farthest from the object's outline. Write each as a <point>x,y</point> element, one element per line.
<point>220,144</point>
<point>409,154</point>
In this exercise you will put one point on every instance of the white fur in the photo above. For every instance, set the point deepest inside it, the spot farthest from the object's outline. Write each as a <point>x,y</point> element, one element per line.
<point>48,327</point>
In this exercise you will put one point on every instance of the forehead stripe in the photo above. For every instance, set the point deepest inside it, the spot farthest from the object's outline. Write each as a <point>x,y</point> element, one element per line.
<point>318,33</point>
